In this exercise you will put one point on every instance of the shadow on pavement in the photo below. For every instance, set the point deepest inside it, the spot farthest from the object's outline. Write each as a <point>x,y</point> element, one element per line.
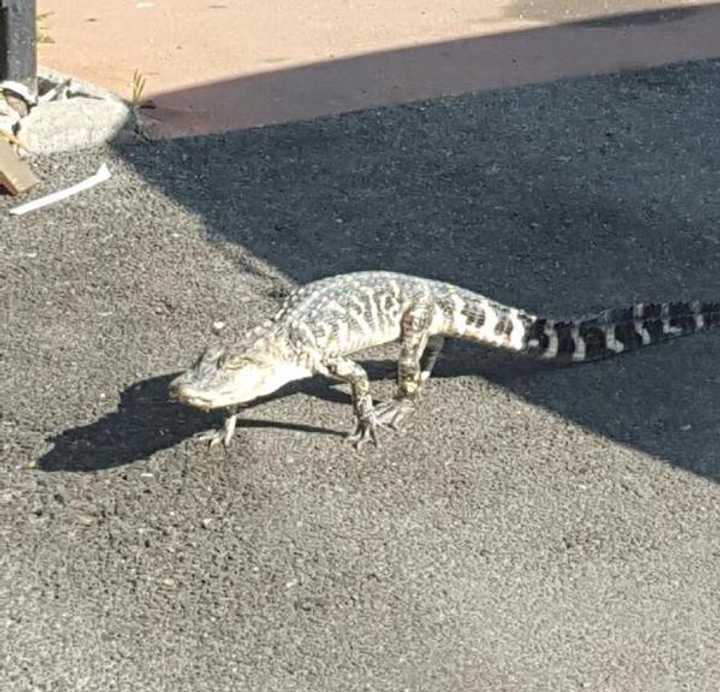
<point>629,409</point>
<point>145,422</point>
<point>561,198</point>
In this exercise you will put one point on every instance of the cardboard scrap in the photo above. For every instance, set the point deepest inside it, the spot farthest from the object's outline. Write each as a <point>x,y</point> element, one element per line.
<point>15,174</point>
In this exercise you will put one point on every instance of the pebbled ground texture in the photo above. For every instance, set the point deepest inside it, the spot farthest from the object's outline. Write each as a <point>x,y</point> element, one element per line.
<point>535,528</point>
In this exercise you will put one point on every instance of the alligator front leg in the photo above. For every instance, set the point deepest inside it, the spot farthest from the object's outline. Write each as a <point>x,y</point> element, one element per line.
<point>224,434</point>
<point>349,371</point>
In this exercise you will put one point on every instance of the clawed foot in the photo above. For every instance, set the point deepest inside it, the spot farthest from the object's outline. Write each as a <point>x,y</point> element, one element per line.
<point>391,414</point>
<point>224,435</point>
<point>366,431</point>
<point>388,414</point>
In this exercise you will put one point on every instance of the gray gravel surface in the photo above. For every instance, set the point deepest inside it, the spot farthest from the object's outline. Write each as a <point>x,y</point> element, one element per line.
<point>535,529</point>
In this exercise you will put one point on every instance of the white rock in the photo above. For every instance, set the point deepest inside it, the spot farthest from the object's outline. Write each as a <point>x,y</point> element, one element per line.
<point>75,123</point>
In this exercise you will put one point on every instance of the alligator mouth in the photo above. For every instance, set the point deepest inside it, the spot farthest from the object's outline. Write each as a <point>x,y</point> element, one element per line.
<point>197,402</point>
<point>185,397</point>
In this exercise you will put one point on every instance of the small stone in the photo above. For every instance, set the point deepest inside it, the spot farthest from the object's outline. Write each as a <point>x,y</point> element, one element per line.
<point>86,519</point>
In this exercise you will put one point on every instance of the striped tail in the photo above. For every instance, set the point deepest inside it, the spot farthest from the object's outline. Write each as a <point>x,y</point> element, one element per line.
<point>619,330</point>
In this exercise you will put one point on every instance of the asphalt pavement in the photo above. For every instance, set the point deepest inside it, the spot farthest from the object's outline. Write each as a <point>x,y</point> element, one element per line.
<point>536,528</point>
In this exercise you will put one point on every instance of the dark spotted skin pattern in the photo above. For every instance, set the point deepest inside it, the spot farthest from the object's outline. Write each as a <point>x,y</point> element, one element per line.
<point>322,324</point>
<point>620,330</point>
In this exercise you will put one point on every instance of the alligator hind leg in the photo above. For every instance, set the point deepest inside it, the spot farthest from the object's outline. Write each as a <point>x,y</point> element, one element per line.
<point>418,354</point>
<point>430,356</point>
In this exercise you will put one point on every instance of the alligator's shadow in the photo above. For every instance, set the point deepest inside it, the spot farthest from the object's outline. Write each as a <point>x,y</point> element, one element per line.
<point>146,421</point>
<point>657,404</point>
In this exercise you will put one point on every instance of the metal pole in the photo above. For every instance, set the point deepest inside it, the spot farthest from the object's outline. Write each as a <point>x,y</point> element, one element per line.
<point>18,58</point>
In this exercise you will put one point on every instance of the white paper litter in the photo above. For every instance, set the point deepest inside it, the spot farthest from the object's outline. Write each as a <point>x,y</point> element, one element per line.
<point>101,176</point>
